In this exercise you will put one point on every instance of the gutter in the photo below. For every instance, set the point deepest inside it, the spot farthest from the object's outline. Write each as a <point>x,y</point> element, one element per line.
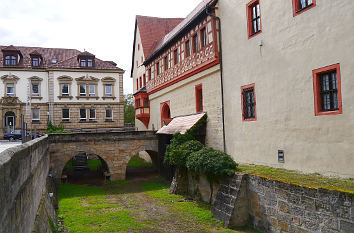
<point>221,71</point>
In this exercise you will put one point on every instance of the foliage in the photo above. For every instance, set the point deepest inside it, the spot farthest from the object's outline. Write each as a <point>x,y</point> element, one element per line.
<point>314,180</point>
<point>194,130</point>
<point>55,129</point>
<point>213,163</point>
<point>93,165</point>
<point>129,109</point>
<point>136,161</point>
<point>177,140</point>
<point>179,155</point>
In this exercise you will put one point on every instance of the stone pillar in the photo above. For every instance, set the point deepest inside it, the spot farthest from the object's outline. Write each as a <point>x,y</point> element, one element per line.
<point>120,86</point>
<point>51,95</point>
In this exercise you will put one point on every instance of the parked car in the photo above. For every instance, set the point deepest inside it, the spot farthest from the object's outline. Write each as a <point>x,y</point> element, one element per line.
<point>14,135</point>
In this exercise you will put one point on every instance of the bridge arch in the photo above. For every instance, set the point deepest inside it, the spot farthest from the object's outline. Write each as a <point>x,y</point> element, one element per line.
<point>116,149</point>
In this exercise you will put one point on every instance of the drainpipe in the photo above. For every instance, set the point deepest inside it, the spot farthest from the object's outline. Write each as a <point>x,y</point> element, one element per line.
<point>221,73</point>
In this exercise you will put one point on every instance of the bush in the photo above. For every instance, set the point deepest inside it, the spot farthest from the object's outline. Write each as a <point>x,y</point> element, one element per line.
<point>177,141</point>
<point>55,129</point>
<point>213,163</point>
<point>178,157</point>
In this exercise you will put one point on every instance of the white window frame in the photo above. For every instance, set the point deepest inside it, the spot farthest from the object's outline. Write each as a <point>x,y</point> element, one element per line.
<point>39,90</point>
<point>8,94</point>
<point>83,119</point>
<point>62,114</point>
<point>81,94</point>
<point>109,118</point>
<point>39,114</point>
<point>92,118</point>
<point>94,90</point>
<point>105,90</point>
<point>61,89</point>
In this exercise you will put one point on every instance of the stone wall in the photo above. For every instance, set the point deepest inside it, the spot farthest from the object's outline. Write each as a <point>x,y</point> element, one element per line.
<point>23,174</point>
<point>277,206</point>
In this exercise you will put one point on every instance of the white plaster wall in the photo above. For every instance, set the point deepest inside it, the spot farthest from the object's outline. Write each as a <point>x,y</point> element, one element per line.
<point>182,102</point>
<point>138,72</point>
<point>282,72</point>
<point>21,90</point>
<point>74,87</point>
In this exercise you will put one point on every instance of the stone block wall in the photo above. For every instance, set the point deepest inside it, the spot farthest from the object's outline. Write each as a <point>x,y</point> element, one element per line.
<point>277,206</point>
<point>23,174</point>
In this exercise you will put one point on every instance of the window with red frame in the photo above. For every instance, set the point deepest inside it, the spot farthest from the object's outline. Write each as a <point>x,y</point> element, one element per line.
<point>137,84</point>
<point>203,37</point>
<point>144,80</point>
<point>140,83</point>
<point>195,43</point>
<point>175,56</point>
<point>149,74</point>
<point>157,68</point>
<point>327,90</point>
<point>254,18</point>
<point>248,103</point>
<point>188,48</point>
<point>300,6</point>
<point>165,63</point>
<point>10,60</point>
<point>199,97</point>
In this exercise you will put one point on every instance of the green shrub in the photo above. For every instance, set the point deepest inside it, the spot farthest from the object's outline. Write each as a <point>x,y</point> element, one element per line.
<point>213,163</point>
<point>178,156</point>
<point>55,129</point>
<point>177,140</point>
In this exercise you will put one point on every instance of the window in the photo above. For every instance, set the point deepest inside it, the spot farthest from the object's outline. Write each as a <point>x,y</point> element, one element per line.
<point>144,80</point>
<point>203,37</point>
<point>92,90</point>
<point>248,101</point>
<point>199,98</point>
<point>166,63</point>
<point>64,89</point>
<point>82,114</point>
<point>65,114</point>
<point>146,103</point>
<point>300,6</point>
<point>92,114</point>
<point>35,114</point>
<point>86,62</point>
<point>195,43</point>
<point>82,89</point>
<point>140,82</point>
<point>10,89</point>
<point>109,115</point>
<point>327,90</point>
<point>108,90</point>
<point>35,89</point>
<point>10,60</point>
<point>188,48</point>
<point>158,68</point>
<point>175,56</point>
<point>149,74</point>
<point>253,18</point>
<point>137,84</point>
<point>35,61</point>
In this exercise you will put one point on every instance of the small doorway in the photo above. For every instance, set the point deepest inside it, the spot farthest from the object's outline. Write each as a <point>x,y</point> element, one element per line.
<point>10,122</point>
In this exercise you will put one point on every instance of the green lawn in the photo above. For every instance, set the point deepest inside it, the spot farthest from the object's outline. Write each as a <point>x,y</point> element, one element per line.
<point>92,164</point>
<point>313,180</point>
<point>136,161</point>
<point>123,206</point>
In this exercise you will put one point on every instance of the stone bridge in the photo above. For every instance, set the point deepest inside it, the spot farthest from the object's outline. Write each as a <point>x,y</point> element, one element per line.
<point>115,148</point>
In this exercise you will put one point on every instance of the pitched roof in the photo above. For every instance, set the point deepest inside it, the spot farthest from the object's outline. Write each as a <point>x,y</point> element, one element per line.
<point>151,30</point>
<point>65,58</point>
<point>181,124</point>
<point>175,32</point>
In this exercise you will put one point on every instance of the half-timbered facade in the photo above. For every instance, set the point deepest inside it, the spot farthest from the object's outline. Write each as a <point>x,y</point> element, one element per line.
<point>182,76</point>
<point>64,86</point>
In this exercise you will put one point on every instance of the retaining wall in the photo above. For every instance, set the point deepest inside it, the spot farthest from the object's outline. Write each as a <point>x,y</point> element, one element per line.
<point>23,178</point>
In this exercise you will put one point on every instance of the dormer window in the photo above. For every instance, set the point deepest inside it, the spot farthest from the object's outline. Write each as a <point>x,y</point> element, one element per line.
<point>86,59</point>
<point>10,60</point>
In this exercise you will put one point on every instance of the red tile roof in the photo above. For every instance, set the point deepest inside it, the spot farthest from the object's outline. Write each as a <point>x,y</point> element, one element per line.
<point>152,29</point>
<point>65,58</point>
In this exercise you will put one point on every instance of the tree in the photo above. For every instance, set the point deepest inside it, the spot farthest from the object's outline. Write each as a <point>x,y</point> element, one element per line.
<point>129,109</point>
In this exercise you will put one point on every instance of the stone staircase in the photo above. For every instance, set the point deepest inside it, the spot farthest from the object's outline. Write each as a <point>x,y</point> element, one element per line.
<point>231,203</point>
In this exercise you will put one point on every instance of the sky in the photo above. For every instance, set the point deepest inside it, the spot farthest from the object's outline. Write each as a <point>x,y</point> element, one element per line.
<point>102,27</point>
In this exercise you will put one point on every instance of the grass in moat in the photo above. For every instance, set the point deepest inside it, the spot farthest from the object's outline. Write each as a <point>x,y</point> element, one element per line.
<point>93,165</point>
<point>313,180</point>
<point>136,161</point>
<point>135,206</point>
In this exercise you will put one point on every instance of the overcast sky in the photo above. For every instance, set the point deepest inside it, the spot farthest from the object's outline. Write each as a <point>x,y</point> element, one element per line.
<point>102,27</point>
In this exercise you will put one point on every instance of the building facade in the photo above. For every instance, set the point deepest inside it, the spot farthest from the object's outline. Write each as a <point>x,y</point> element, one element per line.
<point>180,75</point>
<point>64,86</point>
<point>288,83</point>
